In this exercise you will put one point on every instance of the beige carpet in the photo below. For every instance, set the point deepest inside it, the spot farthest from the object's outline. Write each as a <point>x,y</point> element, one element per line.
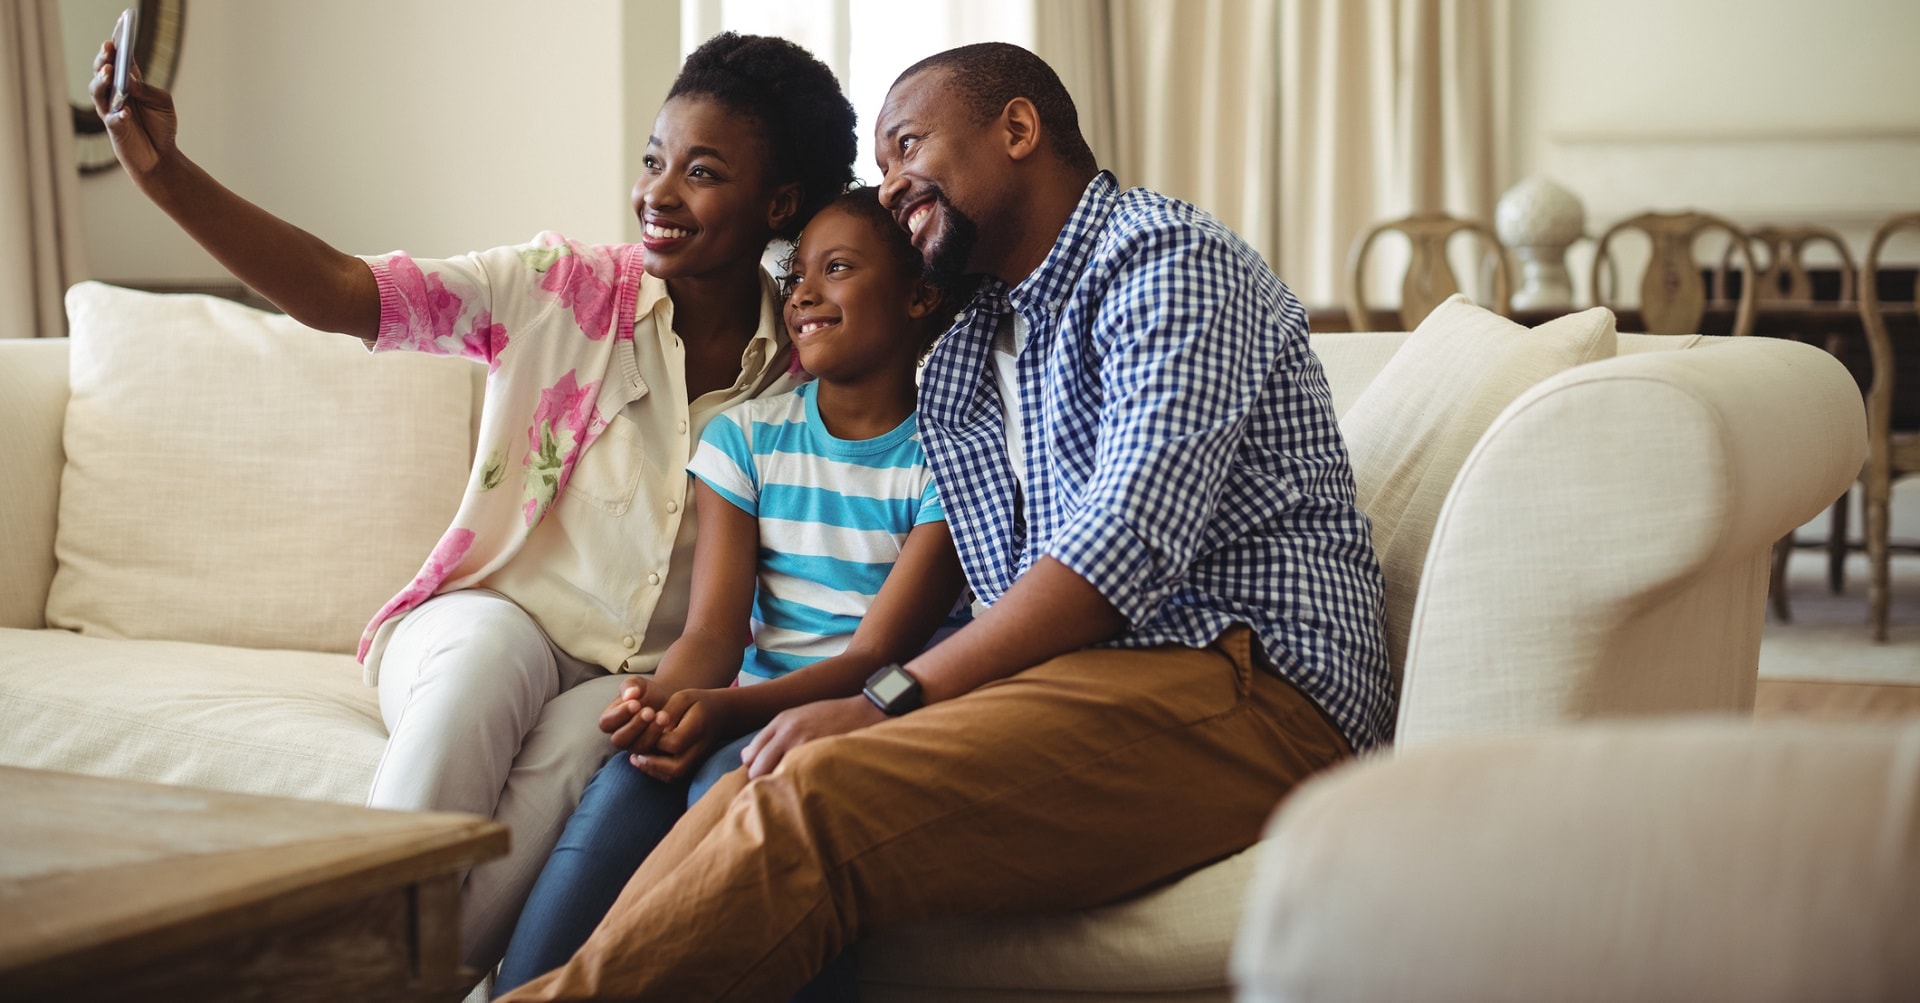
<point>1828,637</point>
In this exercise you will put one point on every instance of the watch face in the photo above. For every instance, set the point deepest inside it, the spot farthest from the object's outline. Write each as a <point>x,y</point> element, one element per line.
<point>892,686</point>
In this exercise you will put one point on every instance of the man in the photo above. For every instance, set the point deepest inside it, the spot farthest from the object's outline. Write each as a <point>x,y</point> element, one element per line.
<point>1140,465</point>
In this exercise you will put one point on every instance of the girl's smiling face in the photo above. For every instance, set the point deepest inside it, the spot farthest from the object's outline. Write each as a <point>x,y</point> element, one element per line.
<point>854,301</point>
<point>707,198</point>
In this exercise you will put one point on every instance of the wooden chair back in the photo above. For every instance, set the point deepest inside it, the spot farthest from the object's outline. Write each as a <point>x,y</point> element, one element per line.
<point>1429,279</point>
<point>1673,296</point>
<point>1890,456</point>
<point>1785,278</point>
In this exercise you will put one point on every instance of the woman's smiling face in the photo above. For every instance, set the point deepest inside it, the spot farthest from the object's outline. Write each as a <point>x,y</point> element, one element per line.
<point>707,198</point>
<point>853,302</point>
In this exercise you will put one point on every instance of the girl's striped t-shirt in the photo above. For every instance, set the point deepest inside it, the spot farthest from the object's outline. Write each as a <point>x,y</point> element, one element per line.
<point>833,515</point>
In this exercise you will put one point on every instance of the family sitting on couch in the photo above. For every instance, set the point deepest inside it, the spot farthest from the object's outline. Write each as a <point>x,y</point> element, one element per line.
<point>1120,448</point>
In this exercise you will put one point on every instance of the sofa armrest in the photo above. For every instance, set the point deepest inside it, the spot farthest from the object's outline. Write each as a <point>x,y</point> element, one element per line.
<point>1604,548</point>
<point>1696,860</point>
<point>33,411</point>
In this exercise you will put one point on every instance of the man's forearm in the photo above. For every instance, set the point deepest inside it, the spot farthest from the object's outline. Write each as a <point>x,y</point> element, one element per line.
<point>1048,612</point>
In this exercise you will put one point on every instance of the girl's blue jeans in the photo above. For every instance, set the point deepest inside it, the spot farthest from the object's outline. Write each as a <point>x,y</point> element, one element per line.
<point>623,815</point>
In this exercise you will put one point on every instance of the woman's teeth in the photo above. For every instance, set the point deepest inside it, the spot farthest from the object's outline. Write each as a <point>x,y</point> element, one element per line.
<point>659,232</point>
<point>814,325</point>
<point>919,218</point>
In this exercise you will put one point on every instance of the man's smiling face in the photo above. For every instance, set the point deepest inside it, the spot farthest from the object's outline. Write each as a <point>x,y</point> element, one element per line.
<point>934,158</point>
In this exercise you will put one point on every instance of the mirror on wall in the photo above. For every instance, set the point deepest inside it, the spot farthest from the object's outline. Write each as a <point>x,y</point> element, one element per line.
<point>84,24</point>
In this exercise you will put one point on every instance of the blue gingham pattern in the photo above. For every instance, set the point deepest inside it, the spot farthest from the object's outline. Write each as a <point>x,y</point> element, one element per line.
<point>1181,449</point>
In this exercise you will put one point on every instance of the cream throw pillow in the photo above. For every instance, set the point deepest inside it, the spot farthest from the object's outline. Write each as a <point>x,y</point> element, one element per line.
<point>1411,429</point>
<point>233,477</point>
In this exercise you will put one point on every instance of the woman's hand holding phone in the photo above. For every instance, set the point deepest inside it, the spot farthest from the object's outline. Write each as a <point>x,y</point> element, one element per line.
<point>139,117</point>
<point>125,32</point>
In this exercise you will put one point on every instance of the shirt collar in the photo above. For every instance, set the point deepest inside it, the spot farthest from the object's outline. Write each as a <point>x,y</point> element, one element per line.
<point>1050,283</point>
<point>769,338</point>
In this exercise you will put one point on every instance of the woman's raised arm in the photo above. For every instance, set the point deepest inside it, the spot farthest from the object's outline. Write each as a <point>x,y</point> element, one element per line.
<point>301,274</point>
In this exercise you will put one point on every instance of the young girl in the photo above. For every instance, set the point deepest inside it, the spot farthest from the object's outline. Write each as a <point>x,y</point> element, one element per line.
<point>819,528</point>
<point>568,559</point>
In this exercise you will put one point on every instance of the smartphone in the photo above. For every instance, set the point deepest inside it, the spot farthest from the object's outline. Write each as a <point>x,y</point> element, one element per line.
<point>125,31</point>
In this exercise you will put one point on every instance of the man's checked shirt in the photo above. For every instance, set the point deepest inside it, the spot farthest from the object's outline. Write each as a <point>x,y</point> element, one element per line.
<point>1181,450</point>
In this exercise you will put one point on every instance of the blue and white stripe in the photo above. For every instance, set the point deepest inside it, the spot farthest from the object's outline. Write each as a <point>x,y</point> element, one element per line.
<point>833,515</point>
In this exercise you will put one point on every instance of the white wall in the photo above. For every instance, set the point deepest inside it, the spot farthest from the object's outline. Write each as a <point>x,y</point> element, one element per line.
<point>447,125</point>
<point>437,126</point>
<point>1763,111</point>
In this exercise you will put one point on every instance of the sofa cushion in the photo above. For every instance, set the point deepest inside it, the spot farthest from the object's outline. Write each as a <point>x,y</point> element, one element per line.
<point>33,403</point>
<point>291,723</point>
<point>1411,429</point>
<point>1162,945</point>
<point>1351,360</point>
<point>221,461</point>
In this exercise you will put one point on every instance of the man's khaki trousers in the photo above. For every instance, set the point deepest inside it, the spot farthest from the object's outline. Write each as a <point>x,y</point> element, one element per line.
<point>1072,784</point>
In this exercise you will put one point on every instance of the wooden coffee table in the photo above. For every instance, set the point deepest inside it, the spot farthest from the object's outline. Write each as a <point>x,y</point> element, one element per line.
<point>112,889</point>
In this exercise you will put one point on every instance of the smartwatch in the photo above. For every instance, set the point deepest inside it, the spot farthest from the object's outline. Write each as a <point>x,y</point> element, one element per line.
<point>893,690</point>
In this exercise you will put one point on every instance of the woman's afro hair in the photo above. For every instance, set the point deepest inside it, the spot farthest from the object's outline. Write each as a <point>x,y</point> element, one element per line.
<point>807,121</point>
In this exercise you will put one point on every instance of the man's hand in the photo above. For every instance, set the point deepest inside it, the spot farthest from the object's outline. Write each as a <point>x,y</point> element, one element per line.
<point>792,728</point>
<point>683,733</point>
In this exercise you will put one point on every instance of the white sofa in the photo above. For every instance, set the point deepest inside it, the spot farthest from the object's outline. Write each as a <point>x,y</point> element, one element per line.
<point>1658,861</point>
<point>1573,526</point>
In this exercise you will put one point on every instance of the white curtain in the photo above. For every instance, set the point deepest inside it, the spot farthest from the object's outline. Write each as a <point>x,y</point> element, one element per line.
<point>1387,107</point>
<point>1177,95</point>
<point>1298,122</point>
<point>41,250</point>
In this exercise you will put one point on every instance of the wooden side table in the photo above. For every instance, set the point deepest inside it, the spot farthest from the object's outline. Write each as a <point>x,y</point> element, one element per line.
<point>117,890</point>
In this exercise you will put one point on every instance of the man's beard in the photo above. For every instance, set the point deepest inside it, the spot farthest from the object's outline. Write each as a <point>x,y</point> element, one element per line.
<point>946,261</point>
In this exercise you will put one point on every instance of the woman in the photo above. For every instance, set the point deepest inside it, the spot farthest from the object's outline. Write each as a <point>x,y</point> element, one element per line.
<point>566,564</point>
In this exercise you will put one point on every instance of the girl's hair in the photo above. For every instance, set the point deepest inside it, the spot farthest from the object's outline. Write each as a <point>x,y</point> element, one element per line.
<point>807,122</point>
<point>864,204</point>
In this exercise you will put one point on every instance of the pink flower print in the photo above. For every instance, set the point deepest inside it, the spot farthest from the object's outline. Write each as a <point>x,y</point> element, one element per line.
<point>564,407</point>
<point>428,309</point>
<point>583,283</point>
<point>446,556</point>
<point>561,423</point>
<point>485,340</point>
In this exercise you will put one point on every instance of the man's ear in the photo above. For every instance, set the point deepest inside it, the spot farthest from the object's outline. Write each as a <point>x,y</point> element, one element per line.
<point>925,299</point>
<point>785,205</point>
<point>1020,123</point>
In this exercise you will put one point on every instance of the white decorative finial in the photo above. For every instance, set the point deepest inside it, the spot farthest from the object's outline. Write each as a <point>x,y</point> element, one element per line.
<point>1538,220</point>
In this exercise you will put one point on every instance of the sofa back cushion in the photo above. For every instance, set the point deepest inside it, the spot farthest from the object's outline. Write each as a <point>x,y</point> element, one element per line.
<point>233,477</point>
<point>1352,359</point>
<point>33,405</point>
<point>1411,429</point>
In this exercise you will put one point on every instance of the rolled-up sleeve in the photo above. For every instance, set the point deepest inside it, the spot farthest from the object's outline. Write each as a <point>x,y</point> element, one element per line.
<point>447,306</point>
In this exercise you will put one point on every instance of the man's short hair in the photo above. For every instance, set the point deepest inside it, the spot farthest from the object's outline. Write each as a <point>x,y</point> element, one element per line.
<point>987,75</point>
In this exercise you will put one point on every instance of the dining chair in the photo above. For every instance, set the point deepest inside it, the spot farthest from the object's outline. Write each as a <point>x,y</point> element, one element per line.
<point>1429,278</point>
<point>1784,278</point>
<point>1673,295</point>
<point>1891,454</point>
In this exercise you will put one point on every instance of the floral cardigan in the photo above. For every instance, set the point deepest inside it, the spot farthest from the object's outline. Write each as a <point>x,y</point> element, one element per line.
<point>548,318</point>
